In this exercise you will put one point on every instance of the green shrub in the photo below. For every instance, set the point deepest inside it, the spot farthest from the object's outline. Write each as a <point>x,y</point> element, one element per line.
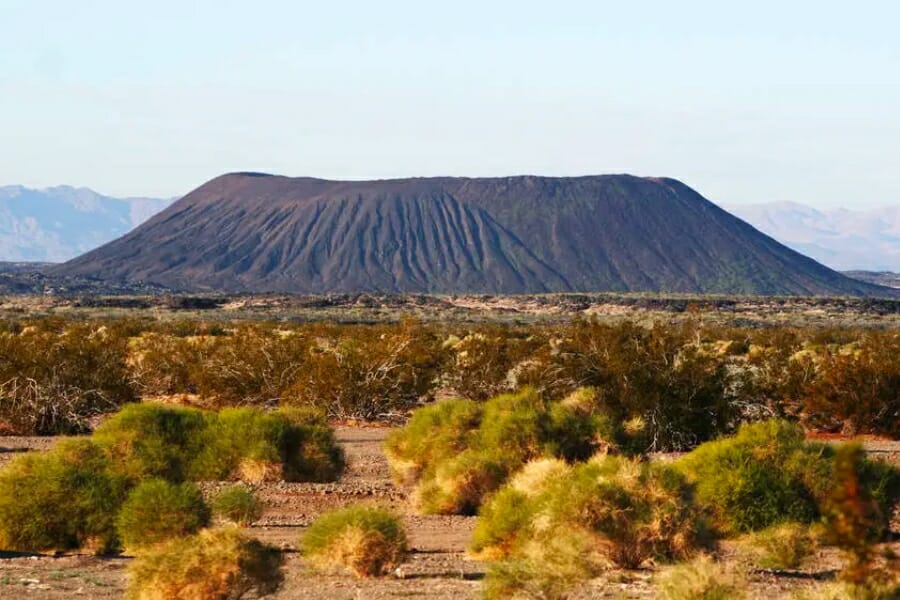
<point>214,564</point>
<point>254,445</point>
<point>237,504</point>
<point>700,579</point>
<point>783,546</point>
<point>433,433</point>
<point>554,526</point>
<point>458,485</point>
<point>456,452</point>
<point>633,510</point>
<point>157,510</point>
<point>579,520</point>
<point>367,541</point>
<point>318,456</point>
<point>153,440</point>
<point>178,444</point>
<point>547,570</point>
<point>768,474</point>
<point>509,513</point>
<point>757,478</point>
<point>63,499</point>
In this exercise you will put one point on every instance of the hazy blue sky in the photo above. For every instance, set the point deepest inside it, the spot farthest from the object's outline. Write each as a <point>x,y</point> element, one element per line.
<point>747,102</point>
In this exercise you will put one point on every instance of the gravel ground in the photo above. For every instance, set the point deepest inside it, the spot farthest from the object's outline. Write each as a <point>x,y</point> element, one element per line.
<point>437,568</point>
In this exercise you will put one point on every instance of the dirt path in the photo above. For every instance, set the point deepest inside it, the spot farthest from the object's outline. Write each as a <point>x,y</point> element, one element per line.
<point>437,567</point>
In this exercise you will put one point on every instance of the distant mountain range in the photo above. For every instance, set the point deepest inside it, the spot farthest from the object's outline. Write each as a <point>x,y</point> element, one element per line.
<point>58,223</point>
<point>860,239</point>
<point>248,232</point>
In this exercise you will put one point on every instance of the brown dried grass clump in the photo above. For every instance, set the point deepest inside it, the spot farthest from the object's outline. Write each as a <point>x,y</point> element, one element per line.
<point>215,564</point>
<point>610,511</point>
<point>367,541</point>
<point>701,579</point>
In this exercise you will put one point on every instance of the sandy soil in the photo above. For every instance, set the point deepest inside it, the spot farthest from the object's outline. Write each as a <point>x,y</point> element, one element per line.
<point>437,568</point>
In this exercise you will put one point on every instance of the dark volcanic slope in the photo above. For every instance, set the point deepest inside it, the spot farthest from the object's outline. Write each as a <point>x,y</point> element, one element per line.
<point>248,232</point>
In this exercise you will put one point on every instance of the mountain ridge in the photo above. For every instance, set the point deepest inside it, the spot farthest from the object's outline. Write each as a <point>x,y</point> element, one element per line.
<point>521,234</point>
<point>844,239</point>
<point>57,223</point>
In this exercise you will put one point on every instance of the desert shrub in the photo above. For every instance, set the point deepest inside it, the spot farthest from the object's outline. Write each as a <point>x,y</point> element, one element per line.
<point>458,485</point>
<point>214,564</point>
<point>319,457</point>
<point>157,510</point>
<point>152,440</point>
<point>458,452</point>
<point>758,477</point>
<point>545,570</point>
<point>164,365</point>
<point>582,519</point>
<point>178,444</point>
<point>661,376</point>
<point>700,579</point>
<point>254,365</point>
<point>237,504</point>
<point>365,540</point>
<point>627,510</point>
<point>54,379</point>
<point>512,508</point>
<point>432,434</point>
<point>783,546</point>
<point>254,445</point>
<point>857,387</point>
<point>369,373</point>
<point>63,499</point>
<point>633,510</point>
<point>483,362</point>
<point>768,474</point>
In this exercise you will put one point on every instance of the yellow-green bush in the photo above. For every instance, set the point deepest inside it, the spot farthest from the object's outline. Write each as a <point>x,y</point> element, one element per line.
<point>152,440</point>
<point>214,564</point>
<point>237,504</point>
<point>700,579</point>
<point>433,433</point>
<point>783,546</point>
<point>76,490</point>
<point>768,474</point>
<point>579,520</point>
<point>546,569</point>
<point>457,452</point>
<point>365,540</point>
<point>178,444</point>
<point>157,510</point>
<point>63,499</point>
